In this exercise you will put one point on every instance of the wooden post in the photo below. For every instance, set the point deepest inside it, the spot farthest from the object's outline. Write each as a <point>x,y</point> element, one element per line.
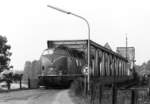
<point>20,80</point>
<point>148,91</point>
<point>29,83</point>
<point>133,97</point>
<point>114,94</point>
<point>100,94</point>
<point>20,83</point>
<point>8,84</point>
<point>91,94</point>
<point>85,85</point>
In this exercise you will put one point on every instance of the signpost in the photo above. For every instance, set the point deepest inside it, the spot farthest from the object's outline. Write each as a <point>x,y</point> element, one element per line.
<point>85,72</point>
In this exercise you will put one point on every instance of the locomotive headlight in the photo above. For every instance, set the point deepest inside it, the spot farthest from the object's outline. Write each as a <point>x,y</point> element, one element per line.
<point>51,69</point>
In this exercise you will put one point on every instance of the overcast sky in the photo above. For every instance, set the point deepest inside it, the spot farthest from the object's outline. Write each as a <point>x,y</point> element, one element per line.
<point>28,24</point>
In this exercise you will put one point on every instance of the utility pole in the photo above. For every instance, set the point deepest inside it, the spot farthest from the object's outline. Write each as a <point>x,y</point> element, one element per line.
<point>126,46</point>
<point>88,27</point>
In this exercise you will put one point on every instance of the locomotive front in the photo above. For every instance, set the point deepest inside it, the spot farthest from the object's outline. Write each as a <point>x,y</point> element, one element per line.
<point>57,67</point>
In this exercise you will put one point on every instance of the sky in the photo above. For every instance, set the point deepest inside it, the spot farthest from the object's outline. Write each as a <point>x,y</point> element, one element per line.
<point>28,24</point>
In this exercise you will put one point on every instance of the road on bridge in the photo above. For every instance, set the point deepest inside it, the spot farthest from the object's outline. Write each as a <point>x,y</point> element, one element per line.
<point>36,96</point>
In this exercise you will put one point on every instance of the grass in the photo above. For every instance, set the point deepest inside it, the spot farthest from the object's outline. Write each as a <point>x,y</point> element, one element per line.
<point>93,97</point>
<point>11,90</point>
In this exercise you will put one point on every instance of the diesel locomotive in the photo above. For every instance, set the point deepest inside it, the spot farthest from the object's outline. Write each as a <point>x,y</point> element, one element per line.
<point>64,61</point>
<point>60,66</point>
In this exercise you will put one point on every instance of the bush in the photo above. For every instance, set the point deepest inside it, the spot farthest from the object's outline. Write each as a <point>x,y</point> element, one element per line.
<point>78,86</point>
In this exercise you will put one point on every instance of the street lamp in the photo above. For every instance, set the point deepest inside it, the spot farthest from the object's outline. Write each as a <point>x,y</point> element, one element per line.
<point>66,12</point>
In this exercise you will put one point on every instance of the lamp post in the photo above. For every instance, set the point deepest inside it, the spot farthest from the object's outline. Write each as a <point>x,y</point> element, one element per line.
<point>66,12</point>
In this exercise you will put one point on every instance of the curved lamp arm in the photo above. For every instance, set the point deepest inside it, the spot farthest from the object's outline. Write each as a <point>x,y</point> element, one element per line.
<point>88,25</point>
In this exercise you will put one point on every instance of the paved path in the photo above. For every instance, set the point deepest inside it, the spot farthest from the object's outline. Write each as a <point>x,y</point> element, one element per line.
<point>36,97</point>
<point>63,98</point>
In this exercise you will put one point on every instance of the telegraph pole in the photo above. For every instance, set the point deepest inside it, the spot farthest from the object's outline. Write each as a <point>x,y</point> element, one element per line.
<point>126,46</point>
<point>88,27</point>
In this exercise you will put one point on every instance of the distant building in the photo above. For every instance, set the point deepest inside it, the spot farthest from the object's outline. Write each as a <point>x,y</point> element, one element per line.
<point>129,53</point>
<point>27,70</point>
<point>107,46</point>
<point>31,71</point>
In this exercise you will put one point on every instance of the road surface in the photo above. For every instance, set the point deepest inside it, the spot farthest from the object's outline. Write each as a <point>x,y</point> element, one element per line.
<point>37,96</point>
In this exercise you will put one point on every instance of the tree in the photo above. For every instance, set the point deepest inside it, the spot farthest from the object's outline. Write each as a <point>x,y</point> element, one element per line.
<point>144,68</point>
<point>4,53</point>
<point>147,67</point>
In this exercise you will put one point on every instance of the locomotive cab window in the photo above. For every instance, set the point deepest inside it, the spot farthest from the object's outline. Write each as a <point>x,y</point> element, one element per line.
<point>48,51</point>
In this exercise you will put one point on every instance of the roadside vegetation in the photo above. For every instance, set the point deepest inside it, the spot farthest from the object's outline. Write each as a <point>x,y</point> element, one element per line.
<point>7,77</point>
<point>144,68</point>
<point>83,96</point>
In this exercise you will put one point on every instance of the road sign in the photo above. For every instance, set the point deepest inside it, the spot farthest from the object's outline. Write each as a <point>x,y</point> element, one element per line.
<point>85,70</point>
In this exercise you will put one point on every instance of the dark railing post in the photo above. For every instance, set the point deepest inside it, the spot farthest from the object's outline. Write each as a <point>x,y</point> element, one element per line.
<point>114,94</point>
<point>20,83</point>
<point>100,94</point>
<point>8,84</point>
<point>92,88</point>
<point>133,96</point>
<point>20,80</point>
<point>85,85</point>
<point>29,83</point>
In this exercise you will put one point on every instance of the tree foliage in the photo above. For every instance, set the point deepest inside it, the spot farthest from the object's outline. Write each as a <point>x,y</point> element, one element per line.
<point>144,68</point>
<point>4,53</point>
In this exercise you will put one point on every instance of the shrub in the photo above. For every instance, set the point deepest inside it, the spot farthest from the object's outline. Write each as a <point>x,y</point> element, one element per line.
<point>78,86</point>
